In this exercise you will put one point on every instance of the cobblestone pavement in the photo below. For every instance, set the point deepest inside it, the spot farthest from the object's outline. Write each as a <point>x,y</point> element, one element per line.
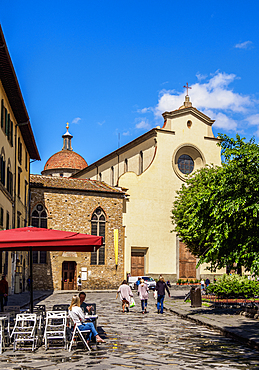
<point>137,341</point>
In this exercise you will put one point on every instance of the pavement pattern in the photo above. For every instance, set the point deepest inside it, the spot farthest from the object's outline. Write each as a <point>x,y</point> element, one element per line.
<point>137,341</point>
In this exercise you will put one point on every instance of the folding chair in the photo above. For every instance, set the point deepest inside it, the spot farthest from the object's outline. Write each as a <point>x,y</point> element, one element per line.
<point>5,326</point>
<point>79,334</point>
<point>55,327</point>
<point>40,311</point>
<point>60,307</point>
<point>25,330</point>
<point>15,309</point>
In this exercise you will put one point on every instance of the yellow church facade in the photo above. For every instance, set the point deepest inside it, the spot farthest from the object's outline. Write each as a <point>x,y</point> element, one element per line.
<point>152,168</point>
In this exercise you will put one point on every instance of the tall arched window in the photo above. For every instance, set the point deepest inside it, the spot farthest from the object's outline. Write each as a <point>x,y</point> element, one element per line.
<point>39,219</point>
<point>98,228</point>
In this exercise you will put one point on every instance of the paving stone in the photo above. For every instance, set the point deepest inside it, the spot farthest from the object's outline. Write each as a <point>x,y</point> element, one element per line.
<point>137,341</point>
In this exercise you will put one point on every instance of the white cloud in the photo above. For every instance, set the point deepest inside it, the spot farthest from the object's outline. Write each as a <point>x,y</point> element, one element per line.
<point>212,94</point>
<point>143,124</point>
<point>76,120</point>
<point>253,120</point>
<point>145,110</point>
<point>200,76</point>
<point>101,123</point>
<point>244,45</point>
<point>126,133</point>
<point>222,120</point>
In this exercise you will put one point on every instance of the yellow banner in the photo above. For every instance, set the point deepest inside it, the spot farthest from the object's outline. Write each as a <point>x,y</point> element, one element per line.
<point>116,247</point>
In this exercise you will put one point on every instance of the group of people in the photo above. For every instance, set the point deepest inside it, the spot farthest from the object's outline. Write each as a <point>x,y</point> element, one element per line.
<point>126,295</point>
<point>205,284</point>
<point>77,311</point>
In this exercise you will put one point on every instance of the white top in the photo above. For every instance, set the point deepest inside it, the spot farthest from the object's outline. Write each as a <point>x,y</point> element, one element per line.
<point>77,315</point>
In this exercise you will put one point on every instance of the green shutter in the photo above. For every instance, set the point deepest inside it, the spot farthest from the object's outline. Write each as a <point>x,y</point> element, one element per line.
<point>6,121</point>
<point>2,217</point>
<point>2,113</point>
<point>11,133</point>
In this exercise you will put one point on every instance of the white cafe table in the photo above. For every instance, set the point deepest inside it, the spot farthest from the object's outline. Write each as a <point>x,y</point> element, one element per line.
<point>92,318</point>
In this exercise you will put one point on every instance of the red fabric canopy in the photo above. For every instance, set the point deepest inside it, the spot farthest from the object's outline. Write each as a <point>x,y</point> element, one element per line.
<point>48,240</point>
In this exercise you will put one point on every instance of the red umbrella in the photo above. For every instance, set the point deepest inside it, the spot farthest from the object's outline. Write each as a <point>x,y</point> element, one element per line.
<point>33,238</point>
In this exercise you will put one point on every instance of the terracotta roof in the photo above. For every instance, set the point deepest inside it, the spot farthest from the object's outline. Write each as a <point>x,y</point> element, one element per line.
<point>12,89</point>
<point>65,159</point>
<point>72,184</point>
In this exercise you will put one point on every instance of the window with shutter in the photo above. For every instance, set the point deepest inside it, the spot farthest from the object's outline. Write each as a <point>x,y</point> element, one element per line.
<point>2,113</point>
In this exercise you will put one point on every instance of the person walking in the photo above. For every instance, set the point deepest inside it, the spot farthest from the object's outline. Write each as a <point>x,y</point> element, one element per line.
<point>125,295</point>
<point>143,295</point>
<point>3,293</point>
<point>202,284</point>
<point>161,287</point>
<point>79,283</point>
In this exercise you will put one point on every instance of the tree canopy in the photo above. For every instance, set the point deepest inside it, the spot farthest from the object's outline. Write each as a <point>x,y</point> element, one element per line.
<point>216,211</point>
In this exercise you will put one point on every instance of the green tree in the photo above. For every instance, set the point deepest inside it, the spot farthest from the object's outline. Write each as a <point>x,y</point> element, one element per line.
<point>216,212</point>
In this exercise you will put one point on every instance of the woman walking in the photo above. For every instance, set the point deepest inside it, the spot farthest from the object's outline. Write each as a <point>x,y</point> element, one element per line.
<point>161,287</point>
<point>143,295</point>
<point>125,295</point>
<point>78,317</point>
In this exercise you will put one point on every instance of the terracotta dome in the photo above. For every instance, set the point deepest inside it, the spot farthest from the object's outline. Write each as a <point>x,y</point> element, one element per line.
<point>65,159</point>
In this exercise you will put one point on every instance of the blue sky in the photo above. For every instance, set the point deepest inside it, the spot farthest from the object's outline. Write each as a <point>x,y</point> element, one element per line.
<point>112,67</point>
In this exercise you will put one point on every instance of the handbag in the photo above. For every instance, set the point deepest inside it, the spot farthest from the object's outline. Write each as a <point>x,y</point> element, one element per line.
<point>155,294</point>
<point>132,302</point>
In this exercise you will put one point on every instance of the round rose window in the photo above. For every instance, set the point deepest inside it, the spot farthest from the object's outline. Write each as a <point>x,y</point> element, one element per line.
<point>185,164</point>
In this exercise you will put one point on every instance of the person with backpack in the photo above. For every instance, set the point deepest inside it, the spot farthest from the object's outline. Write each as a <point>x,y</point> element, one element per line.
<point>161,287</point>
<point>143,295</point>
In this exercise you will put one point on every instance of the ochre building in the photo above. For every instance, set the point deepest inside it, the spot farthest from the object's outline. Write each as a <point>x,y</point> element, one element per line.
<point>17,147</point>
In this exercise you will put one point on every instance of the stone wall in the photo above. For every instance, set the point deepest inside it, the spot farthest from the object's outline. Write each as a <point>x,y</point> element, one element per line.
<point>71,210</point>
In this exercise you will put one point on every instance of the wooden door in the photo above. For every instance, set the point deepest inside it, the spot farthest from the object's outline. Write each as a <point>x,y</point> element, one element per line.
<point>187,263</point>
<point>137,263</point>
<point>68,275</point>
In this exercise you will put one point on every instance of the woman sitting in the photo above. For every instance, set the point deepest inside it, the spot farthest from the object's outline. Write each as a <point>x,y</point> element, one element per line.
<point>78,317</point>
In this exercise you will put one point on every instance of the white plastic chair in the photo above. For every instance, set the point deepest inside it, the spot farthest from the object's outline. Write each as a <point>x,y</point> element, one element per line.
<point>79,334</point>
<point>55,327</point>
<point>25,330</point>
<point>5,326</point>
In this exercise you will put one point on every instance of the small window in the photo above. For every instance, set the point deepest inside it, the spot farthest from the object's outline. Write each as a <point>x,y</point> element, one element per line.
<point>39,257</point>
<point>112,176</point>
<point>126,165</point>
<point>140,162</point>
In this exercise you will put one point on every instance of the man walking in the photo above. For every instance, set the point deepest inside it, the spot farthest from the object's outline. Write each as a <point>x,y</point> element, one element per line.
<point>161,287</point>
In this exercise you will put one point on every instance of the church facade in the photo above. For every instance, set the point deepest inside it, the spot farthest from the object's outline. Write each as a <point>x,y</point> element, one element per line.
<point>152,168</point>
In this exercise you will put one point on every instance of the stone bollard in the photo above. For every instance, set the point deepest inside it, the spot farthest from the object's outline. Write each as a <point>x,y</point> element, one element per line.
<point>195,296</point>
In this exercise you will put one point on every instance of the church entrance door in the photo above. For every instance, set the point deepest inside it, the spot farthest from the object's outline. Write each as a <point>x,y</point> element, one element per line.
<point>187,263</point>
<point>137,263</point>
<point>68,275</point>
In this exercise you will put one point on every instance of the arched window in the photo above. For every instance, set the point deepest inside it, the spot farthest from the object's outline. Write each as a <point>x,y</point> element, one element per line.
<point>39,216</point>
<point>98,221</point>
<point>39,219</point>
